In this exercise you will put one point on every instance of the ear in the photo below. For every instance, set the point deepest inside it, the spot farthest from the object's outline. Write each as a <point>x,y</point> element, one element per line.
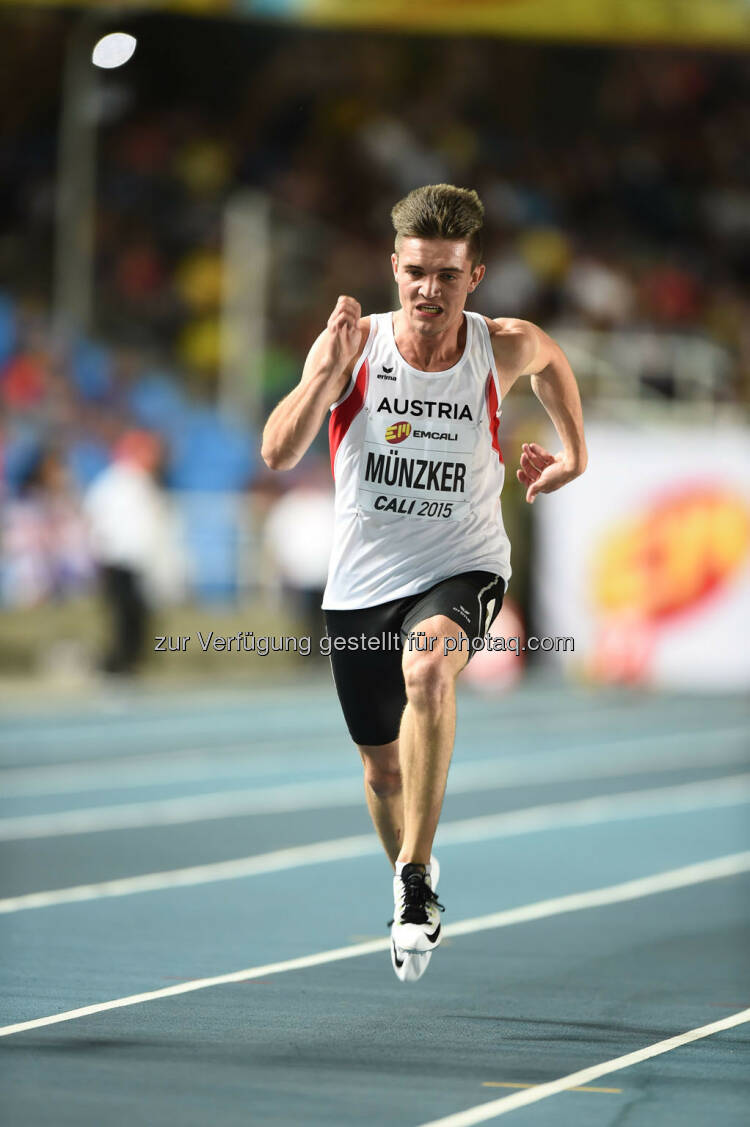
<point>476,276</point>
<point>394,264</point>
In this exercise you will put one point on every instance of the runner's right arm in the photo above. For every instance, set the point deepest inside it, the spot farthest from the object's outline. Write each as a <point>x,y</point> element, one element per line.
<point>294,423</point>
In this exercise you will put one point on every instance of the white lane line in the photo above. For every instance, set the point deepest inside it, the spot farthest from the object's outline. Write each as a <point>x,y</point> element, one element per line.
<point>124,728</point>
<point>121,729</point>
<point>234,803</point>
<point>286,798</point>
<point>339,849</point>
<point>495,1108</point>
<point>163,768</point>
<point>727,866</point>
<point>195,764</point>
<point>131,721</point>
<point>656,801</point>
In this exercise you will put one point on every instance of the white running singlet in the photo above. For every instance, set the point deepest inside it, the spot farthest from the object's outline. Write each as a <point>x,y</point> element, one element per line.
<point>418,472</point>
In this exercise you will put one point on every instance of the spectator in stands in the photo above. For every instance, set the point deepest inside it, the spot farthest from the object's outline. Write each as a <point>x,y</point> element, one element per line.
<point>45,549</point>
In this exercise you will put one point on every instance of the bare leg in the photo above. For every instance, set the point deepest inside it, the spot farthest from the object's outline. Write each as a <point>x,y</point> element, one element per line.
<point>384,795</point>
<point>428,730</point>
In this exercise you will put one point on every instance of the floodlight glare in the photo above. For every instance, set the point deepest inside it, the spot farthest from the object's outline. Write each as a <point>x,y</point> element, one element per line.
<point>113,50</point>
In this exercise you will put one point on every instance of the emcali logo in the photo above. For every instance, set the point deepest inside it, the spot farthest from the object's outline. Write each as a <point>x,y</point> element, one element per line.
<point>397,432</point>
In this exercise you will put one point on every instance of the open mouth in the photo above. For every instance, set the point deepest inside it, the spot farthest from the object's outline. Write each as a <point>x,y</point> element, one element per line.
<point>429,310</point>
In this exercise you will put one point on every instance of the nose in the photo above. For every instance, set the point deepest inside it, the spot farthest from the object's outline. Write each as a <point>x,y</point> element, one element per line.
<point>430,286</point>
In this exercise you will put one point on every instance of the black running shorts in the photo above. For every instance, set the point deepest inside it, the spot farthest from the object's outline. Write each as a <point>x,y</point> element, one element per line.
<point>366,647</point>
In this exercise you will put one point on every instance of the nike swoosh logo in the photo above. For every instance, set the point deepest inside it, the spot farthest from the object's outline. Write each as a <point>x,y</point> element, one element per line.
<point>432,938</point>
<point>399,962</point>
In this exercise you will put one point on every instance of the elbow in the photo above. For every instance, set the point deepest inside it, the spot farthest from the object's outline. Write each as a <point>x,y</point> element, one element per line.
<point>274,459</point>
<point>269,450</point>
<point>269,456</point>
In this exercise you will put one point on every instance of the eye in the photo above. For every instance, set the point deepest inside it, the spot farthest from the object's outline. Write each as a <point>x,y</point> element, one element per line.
<point>449,277</point>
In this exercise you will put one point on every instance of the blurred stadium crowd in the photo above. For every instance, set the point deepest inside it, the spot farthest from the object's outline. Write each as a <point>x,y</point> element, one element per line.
<point>616,186</point>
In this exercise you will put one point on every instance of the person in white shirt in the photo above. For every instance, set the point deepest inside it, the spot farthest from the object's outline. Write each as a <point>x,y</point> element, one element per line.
<point>131,536</point>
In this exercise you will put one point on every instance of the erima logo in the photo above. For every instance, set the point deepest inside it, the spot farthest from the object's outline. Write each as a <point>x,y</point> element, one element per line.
<point>463,611</point>
<point>382,375</point>
<point>397,432</point>
<point>431,408</point>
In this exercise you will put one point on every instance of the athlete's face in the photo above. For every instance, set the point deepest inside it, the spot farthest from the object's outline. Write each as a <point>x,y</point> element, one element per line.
<point>434,278</point>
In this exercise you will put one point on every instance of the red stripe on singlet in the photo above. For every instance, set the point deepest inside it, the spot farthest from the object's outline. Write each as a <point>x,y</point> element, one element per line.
<point>494,421</point>
<point>343,415</point>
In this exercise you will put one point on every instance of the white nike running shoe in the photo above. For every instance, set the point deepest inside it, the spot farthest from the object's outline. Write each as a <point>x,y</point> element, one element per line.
<point>416,922</point>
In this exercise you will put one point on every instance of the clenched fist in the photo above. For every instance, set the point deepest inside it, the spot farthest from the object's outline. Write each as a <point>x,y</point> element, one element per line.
<point>344,332</point>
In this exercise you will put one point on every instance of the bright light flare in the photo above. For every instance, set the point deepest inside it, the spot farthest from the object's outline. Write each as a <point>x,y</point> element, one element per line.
<point>113,50</point>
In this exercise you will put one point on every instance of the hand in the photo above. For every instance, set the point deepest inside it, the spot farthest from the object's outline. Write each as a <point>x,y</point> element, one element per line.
<point>344,332</point>
<point>543,472</point>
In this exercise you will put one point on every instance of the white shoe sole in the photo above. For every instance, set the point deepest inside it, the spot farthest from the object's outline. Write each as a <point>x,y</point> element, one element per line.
<point>409,967</point>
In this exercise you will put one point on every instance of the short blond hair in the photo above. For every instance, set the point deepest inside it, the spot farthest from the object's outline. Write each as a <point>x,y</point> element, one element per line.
<point>441,211</point>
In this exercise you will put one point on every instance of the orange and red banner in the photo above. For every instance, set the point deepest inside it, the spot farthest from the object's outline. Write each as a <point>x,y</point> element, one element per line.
<point>646,558</point>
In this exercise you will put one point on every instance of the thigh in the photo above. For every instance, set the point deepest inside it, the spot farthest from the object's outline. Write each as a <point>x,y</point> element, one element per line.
<point>472,600</point>
<point>365,653</point>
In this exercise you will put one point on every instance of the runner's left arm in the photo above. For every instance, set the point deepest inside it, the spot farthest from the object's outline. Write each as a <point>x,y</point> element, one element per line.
<point>523,349</point>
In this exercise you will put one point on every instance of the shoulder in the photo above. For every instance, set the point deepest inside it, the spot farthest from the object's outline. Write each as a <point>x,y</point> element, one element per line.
<point>514,342</point>
<point>509,332</point>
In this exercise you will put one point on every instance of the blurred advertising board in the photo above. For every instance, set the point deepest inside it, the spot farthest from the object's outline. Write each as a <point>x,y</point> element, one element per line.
<point>675,21</point>
<point>645,560</point>
<point>708,22</point>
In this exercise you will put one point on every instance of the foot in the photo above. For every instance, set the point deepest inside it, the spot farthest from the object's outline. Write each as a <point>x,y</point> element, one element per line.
<point>410,967</point>
<point>416,918</point>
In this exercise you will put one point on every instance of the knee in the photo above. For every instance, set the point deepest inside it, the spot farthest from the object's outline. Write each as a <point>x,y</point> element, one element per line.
<point>383,779</point>
<point>428,682</point>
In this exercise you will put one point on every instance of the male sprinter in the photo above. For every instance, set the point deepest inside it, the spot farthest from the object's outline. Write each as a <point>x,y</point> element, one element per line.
<point>420,560</point>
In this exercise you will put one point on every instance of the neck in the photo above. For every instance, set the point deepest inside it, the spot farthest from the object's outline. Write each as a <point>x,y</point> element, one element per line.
<point>430,352</point>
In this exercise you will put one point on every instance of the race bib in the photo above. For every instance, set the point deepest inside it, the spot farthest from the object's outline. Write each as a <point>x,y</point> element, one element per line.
<point>416,468</point>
